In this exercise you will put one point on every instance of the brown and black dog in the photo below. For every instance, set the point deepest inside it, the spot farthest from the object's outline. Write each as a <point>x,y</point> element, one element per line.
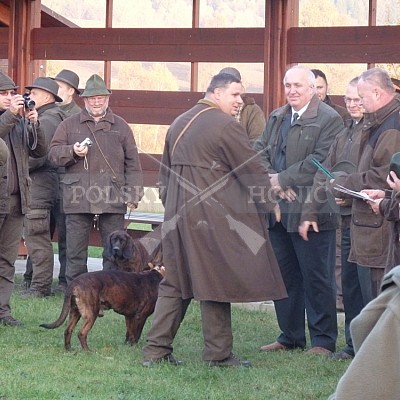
<point>134,255</point>
<point>131,294</point>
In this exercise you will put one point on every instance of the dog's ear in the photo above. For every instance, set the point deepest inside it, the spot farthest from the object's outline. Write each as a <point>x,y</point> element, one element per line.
<point>108,247</point>
<point>128,247</point>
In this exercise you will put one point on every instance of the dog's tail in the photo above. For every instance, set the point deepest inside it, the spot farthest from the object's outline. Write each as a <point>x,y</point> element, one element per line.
<point>64,312</point>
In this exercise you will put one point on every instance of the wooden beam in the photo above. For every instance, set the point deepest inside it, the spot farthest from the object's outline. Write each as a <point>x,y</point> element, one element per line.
<point>4,14</point>
<point>169,105</point>
<point>167,45</point>
<point>362,44</point>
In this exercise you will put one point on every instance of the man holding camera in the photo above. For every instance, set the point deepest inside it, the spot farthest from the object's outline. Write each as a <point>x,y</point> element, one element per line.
<point>44,191</point>
<point>103,175</point>
<point>24,136</point>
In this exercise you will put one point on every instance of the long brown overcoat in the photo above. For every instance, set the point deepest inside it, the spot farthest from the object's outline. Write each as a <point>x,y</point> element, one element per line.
<point>215,240</point>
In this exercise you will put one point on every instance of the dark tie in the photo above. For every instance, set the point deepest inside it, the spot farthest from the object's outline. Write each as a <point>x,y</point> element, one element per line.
<point>294,118</point>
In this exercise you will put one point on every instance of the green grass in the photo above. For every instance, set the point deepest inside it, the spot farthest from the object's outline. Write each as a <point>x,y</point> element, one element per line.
<point>34,364</point>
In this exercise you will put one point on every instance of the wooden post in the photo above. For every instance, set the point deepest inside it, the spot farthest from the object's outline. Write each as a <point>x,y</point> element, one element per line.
<point>279,17</point>
<point>24,16</point>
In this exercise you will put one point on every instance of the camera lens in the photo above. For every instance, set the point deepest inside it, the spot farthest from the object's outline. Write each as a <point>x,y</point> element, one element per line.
<point>28,103</point>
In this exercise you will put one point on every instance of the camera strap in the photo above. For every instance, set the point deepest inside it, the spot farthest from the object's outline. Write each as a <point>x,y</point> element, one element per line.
<point>105,159</point>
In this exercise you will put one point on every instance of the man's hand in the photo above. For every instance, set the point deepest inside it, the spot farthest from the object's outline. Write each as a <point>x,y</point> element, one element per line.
<point>277,213</point>
<point>374,193</point>
<point>32,115</point>
<point>276,186</point>
<point>16,104</point>
<point>377,195</point>
<point>393,181</point>
<point>304,228</point>
<point>288,194</point>
<point>79,150</point>
<point>131,206</point>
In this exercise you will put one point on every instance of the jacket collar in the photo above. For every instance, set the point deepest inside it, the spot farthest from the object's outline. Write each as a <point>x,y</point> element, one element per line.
<point>377,117</point>
<point>310,112</point>
<point>109,117</point>
<point>46,107</point>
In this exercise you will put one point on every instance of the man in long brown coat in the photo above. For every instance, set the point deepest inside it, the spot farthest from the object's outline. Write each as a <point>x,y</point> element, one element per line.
<point>216,247</point>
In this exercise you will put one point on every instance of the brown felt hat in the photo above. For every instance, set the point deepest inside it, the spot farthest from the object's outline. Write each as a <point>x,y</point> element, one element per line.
<point>68,77</point>
<point>6,83</point>
<point>47,84</point>
<point>95,86</point>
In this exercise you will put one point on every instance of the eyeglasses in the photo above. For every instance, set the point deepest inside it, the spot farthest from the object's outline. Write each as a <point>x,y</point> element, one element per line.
<point>356,102</point>
<point>7,92</point>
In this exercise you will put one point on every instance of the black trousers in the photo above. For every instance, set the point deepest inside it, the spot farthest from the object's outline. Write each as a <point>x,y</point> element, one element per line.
<point>353,301</point>
<point>308,270</point>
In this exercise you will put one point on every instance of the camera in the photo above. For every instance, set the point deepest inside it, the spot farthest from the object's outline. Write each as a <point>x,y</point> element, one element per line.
<point>28,103</point>
<point>86,142</point>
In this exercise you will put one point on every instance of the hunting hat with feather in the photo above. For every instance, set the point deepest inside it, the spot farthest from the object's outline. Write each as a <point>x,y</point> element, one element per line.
<point>95,86</point>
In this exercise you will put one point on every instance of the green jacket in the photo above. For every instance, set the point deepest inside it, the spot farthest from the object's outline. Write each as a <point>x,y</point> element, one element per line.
<point>310,137</point>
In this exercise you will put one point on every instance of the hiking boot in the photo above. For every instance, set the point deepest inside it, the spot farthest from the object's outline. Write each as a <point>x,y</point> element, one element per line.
<point>231,361</point>
<point>10,321</point>
<point>60,288</point>
<point>35,293</point>
<point>168,358</point>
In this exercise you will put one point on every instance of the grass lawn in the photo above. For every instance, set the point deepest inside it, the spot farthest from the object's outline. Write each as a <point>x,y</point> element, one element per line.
<point>34,364</point>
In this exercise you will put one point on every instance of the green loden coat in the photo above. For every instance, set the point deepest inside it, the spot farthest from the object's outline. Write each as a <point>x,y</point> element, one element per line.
<point>215,241</point>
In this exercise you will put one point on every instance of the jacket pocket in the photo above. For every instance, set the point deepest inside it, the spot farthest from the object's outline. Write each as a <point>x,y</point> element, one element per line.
<point>73,192</point>
<point>37,221</point>
<point>364,216</point>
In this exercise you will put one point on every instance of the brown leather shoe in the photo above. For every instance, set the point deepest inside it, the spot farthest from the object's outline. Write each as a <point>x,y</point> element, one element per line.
<point>276,346</point>
<point>319,350</point>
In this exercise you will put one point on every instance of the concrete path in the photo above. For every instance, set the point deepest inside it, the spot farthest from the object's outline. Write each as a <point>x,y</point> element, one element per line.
<point>94,264</point>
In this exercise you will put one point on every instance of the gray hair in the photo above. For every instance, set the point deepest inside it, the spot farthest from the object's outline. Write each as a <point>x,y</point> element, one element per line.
<point>378,77</point>
<point>310,75</point>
